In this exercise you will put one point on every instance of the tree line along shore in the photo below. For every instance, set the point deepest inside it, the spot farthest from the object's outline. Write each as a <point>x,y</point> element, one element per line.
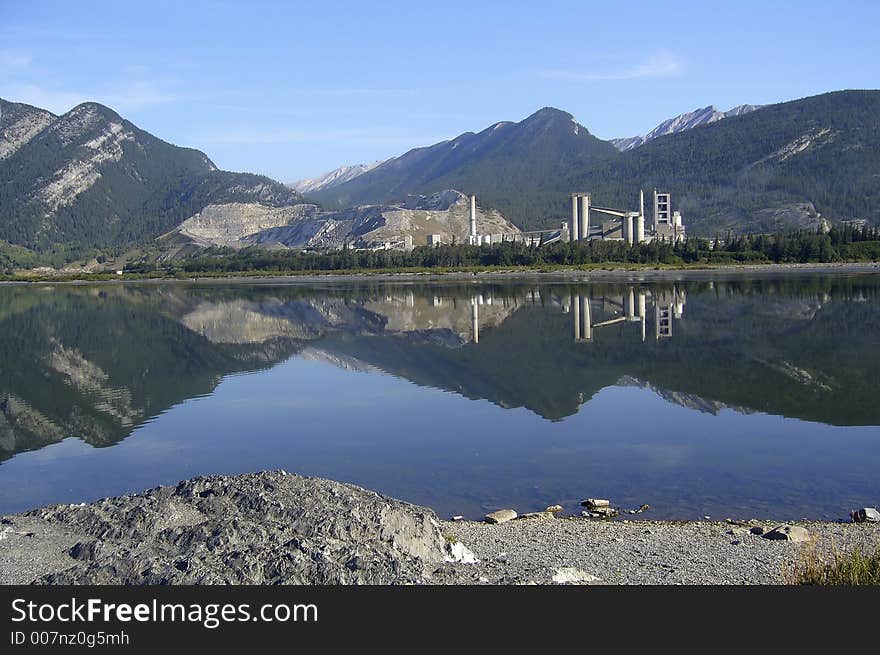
<point>847,244</point>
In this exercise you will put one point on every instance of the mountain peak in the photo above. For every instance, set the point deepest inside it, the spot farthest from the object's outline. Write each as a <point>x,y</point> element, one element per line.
<point>549,113</point>
<point>94,109</point>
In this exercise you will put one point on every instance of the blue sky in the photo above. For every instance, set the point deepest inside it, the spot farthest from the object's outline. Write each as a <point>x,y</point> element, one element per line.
<point>294,89</point>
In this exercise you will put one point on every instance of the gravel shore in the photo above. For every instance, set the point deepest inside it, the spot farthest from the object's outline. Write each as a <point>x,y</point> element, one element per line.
<point>589,551</point>
<point>613,273</point>
<point>277,528</point>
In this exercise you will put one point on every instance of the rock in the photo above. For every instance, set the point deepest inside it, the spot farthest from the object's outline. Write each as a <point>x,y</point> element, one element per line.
<point>571,575</point>
<point>501,516</point>
<point>554,508</point>
<point>458,552</point>
<point>600,513</point>
<point>787,532</point>
<point>758,530</point>
<point>866,515</point>
<point>457,518</point>
<point>537,515</point>
<point>263,528</point>
<point>88,550</point>
<point>595,503</point>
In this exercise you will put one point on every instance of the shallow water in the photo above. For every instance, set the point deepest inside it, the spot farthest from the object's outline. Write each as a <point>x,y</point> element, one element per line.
<point>746,398</point>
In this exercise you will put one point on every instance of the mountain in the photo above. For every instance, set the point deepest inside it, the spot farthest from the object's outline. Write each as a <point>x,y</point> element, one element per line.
<point>90,179</point>
<point>333,178</point>
<point>509,166</point>
<point>683,122</point>
<point>792,165</point>
<point>783,166</point>
<point>776,168</point>
<point>89,182</point>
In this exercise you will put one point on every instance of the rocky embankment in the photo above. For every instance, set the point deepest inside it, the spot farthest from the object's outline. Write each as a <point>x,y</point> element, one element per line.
<point>274,527</point>
<point>261,528</point>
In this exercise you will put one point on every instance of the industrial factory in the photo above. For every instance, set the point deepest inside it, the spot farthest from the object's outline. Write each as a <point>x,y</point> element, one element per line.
<point>589,222</point>
<point>623,225</point>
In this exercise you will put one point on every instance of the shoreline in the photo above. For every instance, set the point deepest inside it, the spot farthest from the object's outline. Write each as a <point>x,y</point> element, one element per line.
<point>610,273</point>
<point>274,527</point>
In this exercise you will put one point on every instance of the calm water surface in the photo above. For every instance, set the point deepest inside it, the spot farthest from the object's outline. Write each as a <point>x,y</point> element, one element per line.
<point>723,398</point>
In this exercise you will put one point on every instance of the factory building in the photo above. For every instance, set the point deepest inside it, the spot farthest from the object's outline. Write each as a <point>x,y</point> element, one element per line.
<point>624,225</point>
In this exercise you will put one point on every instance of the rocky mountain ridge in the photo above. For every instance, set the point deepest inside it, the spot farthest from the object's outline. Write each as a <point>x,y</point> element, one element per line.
<point>682,122</point>
<point>333,178</point>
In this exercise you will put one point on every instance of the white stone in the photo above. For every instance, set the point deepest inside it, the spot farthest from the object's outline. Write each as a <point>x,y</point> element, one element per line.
<point>501,516</point>
<point>571,575</point>
<point>458,552</point>
<point>787,532</point>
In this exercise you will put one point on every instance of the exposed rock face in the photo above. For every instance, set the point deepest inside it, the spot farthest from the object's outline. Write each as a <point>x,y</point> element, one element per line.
<point>333,178</point>
<point>228,224</point>
<point>304,226</point>
<point>19,124</point>
<point>262,528</point>
<point>789,216</point>
<point>811,139</point>
<point>683,122</point>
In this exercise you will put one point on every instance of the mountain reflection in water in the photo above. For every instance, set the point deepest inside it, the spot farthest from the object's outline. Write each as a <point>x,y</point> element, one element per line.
<point>99,363</point>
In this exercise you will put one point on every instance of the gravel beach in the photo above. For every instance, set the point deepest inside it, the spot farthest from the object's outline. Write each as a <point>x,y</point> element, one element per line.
<point>533,551</point>
<point>274,527</point>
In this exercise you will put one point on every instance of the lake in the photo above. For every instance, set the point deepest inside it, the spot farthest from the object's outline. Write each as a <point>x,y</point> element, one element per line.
<point>722,397</point>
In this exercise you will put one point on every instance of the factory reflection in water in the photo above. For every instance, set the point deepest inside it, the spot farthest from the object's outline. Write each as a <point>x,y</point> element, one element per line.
<point>629,307</point>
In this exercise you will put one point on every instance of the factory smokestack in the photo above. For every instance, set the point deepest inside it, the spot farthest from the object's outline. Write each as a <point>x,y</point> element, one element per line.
<point>473,218</point>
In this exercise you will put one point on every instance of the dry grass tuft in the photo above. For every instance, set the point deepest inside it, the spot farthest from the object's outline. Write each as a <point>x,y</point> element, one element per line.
<point>836,568</point>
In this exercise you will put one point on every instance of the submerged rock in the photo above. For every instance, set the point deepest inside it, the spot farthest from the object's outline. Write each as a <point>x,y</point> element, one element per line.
<point>261,528</point>
<point>600,513</point>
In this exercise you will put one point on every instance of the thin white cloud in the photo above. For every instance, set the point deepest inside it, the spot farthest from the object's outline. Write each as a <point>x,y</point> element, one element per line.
<point>660,64</point>
<point>134,95</point>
